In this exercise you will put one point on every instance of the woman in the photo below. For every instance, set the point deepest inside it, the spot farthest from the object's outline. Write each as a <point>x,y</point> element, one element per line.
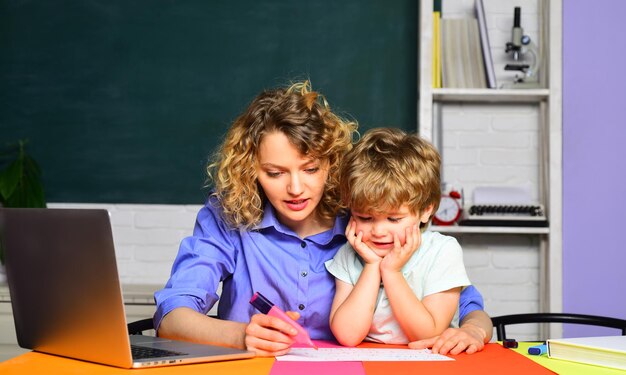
<point>271,222</point>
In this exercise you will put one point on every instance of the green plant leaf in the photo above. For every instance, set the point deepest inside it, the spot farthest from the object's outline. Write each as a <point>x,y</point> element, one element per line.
<point>10,178</point>
<point>31,166</point>
<point>29,190</point>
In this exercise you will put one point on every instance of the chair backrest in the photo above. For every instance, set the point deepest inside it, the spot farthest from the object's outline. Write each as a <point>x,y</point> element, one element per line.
<point>138,327</point>
<point>500,322</point>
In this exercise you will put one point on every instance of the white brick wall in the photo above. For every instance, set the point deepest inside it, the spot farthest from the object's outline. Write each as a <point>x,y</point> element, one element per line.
<point>505,268</point>
<point>491,145</point>
<point>146,237</point>
<point>497,145</point>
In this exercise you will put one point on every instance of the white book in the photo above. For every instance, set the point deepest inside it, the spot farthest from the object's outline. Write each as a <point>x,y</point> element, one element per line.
<point>486,47</point>
<point>449,54</point>
<point>606,351</point>
<point>462,60</point>
<point>477,77</point>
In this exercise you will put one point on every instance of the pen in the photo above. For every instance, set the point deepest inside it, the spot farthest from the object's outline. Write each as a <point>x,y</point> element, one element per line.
<point>538,349</point>
<point>267,307</point>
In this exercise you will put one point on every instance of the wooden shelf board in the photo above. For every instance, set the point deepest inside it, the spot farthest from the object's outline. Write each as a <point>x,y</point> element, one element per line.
<point>491,95</point>
<point>489,230</point>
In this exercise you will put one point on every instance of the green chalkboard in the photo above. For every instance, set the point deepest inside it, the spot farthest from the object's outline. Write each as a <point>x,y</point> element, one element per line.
<point>122,101</point>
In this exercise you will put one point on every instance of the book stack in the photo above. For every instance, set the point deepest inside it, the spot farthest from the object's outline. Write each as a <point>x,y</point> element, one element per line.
<point>461,51</point>
<point>461,54</point>
<point>606,351</point>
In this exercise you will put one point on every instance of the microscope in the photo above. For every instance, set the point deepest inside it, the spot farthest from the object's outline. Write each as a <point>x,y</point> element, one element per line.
<point>525,56</point>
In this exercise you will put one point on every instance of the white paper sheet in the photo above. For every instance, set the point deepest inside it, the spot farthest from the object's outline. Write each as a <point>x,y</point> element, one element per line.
<point>502,195</point>
<point>360,354</point>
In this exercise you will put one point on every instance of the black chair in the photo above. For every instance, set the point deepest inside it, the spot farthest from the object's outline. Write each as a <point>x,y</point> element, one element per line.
<point>500,322</point>
<point>138,327</point>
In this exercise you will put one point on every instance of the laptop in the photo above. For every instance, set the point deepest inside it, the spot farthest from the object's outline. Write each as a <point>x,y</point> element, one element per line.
<point>66,295</point>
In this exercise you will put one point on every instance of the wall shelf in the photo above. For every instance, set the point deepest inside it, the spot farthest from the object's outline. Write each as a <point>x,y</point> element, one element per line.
<point>459,229</point>
<point>491,95</point>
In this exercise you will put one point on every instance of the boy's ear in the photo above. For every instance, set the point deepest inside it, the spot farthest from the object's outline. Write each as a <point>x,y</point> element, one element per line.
<point>427,213</point>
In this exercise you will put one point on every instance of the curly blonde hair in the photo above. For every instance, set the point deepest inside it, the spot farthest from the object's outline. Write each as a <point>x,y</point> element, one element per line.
<point>305,118</point>
<point>389,168</point>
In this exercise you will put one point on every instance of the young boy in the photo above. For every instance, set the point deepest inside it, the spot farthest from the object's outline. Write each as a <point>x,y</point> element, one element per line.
<point>395,282</point>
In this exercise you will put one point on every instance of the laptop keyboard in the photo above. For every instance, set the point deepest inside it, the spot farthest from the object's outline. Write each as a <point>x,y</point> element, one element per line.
<point>142,352</point>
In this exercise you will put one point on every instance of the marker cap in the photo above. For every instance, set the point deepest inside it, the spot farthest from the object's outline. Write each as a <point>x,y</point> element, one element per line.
<point>261,303</point>
<point>538,349</point>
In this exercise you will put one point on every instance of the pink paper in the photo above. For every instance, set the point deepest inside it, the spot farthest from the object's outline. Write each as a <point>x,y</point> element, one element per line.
<point>317,368</point>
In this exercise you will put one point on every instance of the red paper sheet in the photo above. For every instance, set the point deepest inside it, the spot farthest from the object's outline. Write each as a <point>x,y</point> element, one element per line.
<point>494,359</point>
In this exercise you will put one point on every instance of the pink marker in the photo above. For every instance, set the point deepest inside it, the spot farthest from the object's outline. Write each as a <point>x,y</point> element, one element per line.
<point>265,306</point>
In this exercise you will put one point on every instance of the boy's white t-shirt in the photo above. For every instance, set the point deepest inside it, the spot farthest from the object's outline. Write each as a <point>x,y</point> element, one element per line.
<point>435,267</point>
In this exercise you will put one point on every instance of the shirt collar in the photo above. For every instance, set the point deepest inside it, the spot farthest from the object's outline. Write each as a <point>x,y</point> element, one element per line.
<point>270,220</point>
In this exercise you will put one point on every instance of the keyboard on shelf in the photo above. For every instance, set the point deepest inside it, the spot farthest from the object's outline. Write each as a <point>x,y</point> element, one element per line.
<point>500,215</point>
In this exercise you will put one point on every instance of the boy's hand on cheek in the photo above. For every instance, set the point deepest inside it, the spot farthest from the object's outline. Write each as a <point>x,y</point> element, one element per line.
<point>401,253</point>
<point>357,244</point>
<point>364,251</point>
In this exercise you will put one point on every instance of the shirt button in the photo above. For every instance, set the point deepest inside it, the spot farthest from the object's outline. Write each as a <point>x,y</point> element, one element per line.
<point>303,244</point>
<point>303,273</point>
<point>301,306</point>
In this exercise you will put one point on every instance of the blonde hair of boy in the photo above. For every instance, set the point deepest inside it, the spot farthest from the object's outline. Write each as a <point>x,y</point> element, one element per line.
<point>389,168</point>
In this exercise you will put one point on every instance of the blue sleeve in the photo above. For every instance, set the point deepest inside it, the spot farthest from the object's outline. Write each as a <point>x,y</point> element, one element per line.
<point>471,300</point>
<point>203,260</point>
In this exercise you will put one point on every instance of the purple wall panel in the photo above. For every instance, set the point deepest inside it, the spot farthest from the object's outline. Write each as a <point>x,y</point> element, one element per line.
<point>594,161</point>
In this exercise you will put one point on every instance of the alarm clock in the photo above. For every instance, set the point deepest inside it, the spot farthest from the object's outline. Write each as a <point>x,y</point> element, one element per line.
<point>449,209</point>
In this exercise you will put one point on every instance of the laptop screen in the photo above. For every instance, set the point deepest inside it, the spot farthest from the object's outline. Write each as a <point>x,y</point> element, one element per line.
<point>64,285</point>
